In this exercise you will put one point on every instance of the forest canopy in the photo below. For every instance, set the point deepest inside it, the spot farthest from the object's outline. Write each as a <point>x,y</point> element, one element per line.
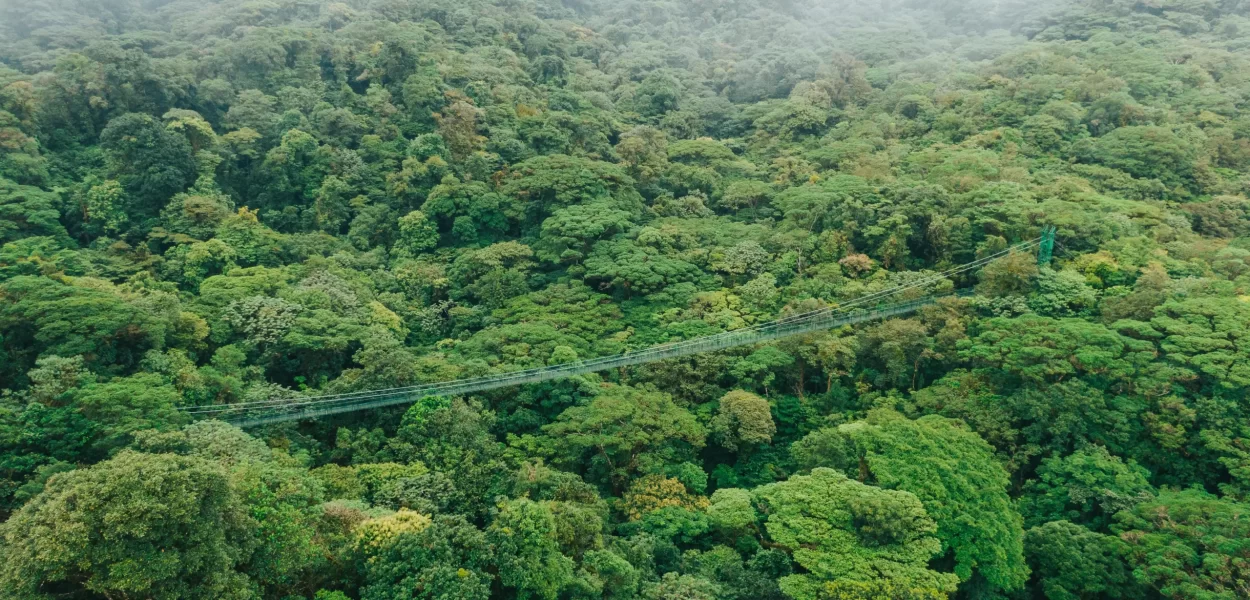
<point>213,202</point>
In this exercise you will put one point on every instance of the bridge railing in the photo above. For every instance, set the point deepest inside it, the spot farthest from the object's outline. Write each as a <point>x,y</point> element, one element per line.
<point>855,311</point>
<point>314,407</point>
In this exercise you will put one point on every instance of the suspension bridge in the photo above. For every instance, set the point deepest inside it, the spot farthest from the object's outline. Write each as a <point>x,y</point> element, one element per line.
<point>878,305</point>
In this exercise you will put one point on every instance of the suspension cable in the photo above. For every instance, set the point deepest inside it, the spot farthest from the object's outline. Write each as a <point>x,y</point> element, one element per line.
<point>721,340</point>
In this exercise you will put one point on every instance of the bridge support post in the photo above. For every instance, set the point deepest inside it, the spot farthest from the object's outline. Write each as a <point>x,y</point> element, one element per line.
<point>1046,249</point>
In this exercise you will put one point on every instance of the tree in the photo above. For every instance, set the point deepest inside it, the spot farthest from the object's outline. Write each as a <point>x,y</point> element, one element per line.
<point>1013,274</point>
<point>524,537</point>
<point>875,590</point>
<point>755,577</point>
<point>494,274</point>
<point>544,183</point>
<point>126,405</point>
<point>1087,487</point>
<point>656,492</point>
<point>1070,562</point>
<point>839,529</point>
<point>743,420</point>
<point>282,498</point>
<point>254,110</point>
<point>1062,294</point>
<point>27,211</point>
<point>469,211</point>
<point>37,437</point>
<point>69,317</point>
<point>675,586</point>
<point>759,369</point>
<point>410,555</point>
<point>623,432</point>
<point>897,346</point>
<point>293,177</point>
<point>1149,151</point>
<point>841,203</point>
<point>634,268</point>
<point>20,158</point>
<point>643,149</point>
<point>457,123</point>
<point>657,95</point>
<point>954,474</point>
<point>1188,544</point>
<point>732,511</point>
<point>331,204</point>
<point>151,162</point>
<point>417,233</point>
<point>1040,349</point>
<point>151,525</point>
<point>1201,335</point>
<point>745,258</point>
<point>569,233</point>
<point>1027,423</point>
<point>746,194</point>
<point>453,438</point>
<point>579,514</point>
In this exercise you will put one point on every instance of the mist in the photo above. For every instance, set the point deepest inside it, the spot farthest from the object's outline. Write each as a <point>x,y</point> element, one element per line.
<point>624,299</point>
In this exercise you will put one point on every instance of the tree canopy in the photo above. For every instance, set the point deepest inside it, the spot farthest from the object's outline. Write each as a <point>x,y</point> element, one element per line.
<point>208,204</point>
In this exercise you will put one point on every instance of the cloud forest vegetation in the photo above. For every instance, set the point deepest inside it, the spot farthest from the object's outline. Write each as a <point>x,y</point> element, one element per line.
<point>212,202</point>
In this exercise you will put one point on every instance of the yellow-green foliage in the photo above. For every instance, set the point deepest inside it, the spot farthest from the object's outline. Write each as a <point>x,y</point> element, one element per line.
<point>377,533</point>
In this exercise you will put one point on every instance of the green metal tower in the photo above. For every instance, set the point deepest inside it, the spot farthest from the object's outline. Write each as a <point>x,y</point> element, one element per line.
<point>1046,250</point>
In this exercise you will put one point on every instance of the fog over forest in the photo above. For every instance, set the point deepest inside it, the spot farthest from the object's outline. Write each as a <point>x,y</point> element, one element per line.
<point>215,214</point>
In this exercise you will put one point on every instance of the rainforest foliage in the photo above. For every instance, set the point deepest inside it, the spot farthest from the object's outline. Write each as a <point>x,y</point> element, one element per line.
<point>206,202</point>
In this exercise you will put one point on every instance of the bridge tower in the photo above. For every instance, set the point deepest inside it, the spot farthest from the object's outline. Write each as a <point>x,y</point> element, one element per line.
<point>1046,249</point>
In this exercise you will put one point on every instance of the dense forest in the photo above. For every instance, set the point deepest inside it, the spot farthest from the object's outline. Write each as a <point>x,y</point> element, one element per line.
<point>213,202</point>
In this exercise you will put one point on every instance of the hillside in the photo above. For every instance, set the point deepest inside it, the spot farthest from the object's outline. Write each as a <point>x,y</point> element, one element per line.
<point>215,202</point>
